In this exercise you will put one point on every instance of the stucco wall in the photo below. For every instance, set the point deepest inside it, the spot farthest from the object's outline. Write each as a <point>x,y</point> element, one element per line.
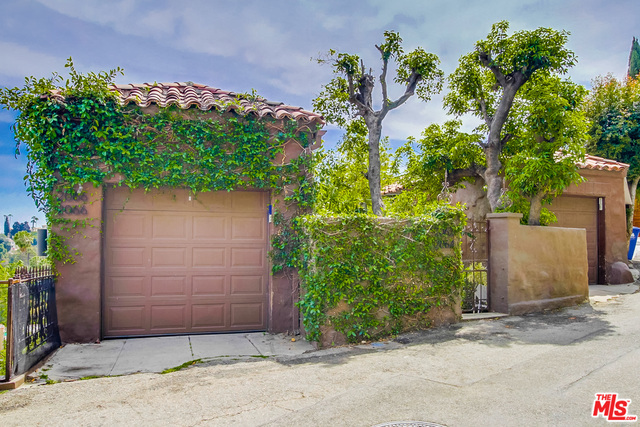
<point>78,286</point>
<point>535,268</point>
<point>610,186</point>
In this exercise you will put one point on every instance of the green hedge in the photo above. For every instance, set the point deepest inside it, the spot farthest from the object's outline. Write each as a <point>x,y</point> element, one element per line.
<point>367,277</point>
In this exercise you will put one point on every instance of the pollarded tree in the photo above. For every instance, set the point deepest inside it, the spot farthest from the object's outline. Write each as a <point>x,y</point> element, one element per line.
<point>614,109</point>
<point>488,79</point>
<point>350,95</point>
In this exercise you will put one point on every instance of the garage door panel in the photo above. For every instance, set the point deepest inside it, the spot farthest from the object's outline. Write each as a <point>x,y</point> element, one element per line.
<point>246,315</point>
<point>127,319</point>
<point>248,257</point>
<point>169,227</point>
<point>252,228</point>
<point>122,198</point>
<point>208,316</point>
<point>122,257</point>
<point>127,226</point>
<point>209,257</point>
<point>125,287</point>
<point>215,201</point>
<point>168,257</point>
<point>168,200</point>
<point>179,266</point>
<point>208,285</point>
<point>168,317</point>
<point>244,201</point>
<point>209,228</point>
<point>243,285</point>
<point>168,286</point>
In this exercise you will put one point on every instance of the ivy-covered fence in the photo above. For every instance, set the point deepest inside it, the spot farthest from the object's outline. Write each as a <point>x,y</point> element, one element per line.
<point>365,277</point>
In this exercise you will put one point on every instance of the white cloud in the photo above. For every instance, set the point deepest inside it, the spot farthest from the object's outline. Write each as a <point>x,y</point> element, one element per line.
<point>20,61</point>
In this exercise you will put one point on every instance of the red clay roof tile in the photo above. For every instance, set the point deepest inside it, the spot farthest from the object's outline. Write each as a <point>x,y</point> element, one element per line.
<point>599,163</point>
<point>188,94</point>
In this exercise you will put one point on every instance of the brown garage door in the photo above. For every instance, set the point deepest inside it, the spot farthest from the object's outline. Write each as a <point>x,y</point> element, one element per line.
<point>175,264</point>
<point>581,212</point>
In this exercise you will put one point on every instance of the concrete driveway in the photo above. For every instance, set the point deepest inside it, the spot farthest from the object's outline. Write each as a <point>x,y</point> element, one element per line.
<point>133,355</point>
<point>538,370</point>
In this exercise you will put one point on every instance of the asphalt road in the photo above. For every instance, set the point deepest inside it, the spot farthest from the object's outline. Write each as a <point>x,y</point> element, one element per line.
<point>532,370</point>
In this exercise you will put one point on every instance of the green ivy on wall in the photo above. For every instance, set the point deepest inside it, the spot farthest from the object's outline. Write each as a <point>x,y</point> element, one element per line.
<point>367,277</point>
<point>77,133</point>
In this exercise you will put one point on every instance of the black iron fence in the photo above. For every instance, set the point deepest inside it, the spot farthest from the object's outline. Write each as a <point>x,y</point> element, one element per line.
<point>32,323</point>
<point>475,258</point>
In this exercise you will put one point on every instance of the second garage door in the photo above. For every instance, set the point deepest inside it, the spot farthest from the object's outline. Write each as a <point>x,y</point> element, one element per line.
<point>176,264</point>
<point>580,212</point>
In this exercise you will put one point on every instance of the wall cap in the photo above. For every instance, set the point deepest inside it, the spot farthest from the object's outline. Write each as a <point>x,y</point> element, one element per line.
<point>509,215</point>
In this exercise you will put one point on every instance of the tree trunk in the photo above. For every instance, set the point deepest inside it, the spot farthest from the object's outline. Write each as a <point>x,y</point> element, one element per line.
<point>375,131</point>
<point>491,175</point>
<point>535,209</point>
<point>495,143</point>
<point>633,187</point>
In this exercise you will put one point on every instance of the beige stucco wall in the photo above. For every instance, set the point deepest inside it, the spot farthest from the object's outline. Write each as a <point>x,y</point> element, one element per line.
<point>535,268</point>
<point>78,290</point>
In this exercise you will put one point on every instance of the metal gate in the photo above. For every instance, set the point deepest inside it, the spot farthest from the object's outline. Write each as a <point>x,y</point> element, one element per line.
<point>32,332</point>
<point>475,258</point>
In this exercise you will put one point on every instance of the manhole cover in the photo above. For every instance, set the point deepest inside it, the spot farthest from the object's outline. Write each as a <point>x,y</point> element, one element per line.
<point>409,424</point>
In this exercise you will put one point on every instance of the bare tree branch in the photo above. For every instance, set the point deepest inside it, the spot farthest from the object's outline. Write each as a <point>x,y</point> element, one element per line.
<point>483,110</point>
<point>383,76</point>
<point>353,96</point>
<point>413,81</point>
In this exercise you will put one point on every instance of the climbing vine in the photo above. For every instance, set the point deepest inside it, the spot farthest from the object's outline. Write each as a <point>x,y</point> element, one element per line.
<point>366,277</point>
<point>75,133</point>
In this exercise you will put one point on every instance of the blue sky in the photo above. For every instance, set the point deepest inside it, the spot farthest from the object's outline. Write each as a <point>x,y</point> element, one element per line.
<point>269,45</point>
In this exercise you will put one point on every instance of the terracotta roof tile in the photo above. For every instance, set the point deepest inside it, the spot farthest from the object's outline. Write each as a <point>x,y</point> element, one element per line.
<point>187,94</point>
<point>599,163</point>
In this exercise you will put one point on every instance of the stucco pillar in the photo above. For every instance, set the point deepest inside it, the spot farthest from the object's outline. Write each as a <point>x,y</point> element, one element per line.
<point>501,226</point>
<point>78,284</point>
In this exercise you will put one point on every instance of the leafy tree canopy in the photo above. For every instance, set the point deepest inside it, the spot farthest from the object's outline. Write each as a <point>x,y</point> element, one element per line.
<point>614,109</point>
<point>23,240</point>
<point>442,153</point>
<point>19,226</point>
